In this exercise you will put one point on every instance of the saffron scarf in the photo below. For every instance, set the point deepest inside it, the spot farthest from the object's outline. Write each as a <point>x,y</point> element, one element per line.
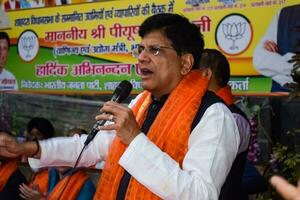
<point>73,188</point>
<point>174,121</point>
<point>6,170</point>
<point>225,94</point>
<point>41,179</point>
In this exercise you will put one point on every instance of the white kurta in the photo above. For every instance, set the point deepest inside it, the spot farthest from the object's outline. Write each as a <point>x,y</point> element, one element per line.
<point>212,148</point>
<point>272,64</point>
<point>8,81</point>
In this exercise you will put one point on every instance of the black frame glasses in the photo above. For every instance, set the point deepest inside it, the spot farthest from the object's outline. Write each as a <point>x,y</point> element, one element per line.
<point>152,49</point>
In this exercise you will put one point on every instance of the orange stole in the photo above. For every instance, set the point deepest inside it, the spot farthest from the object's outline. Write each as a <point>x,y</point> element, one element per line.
<point>73,188</point>
<point>226,95</point>
<point>6,170</point>
<point>41,179</point>
<point>174,121</point>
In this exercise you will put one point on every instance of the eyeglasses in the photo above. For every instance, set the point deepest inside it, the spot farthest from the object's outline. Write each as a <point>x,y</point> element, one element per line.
<point>153,50</point>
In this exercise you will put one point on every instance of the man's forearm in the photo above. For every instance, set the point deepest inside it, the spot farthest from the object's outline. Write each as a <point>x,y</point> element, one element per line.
<point>9,147</point>
<point>31,149</point>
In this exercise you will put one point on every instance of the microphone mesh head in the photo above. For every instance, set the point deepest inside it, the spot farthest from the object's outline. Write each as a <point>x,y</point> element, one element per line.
<point>123,90</point>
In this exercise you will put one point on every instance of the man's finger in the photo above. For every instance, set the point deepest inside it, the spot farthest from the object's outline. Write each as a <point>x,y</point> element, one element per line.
<point>104,116</point>
<point>5,153</point>
<point>284,188</point>
<point>270,46</point>
<point>108,127</point>
<point>274,46</point>
<point>267,46</point>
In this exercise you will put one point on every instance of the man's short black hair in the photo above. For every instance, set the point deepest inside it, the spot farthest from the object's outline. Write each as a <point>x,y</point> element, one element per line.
<point>184,35</point>
<point>218,63</point>
<point>43,125</point>
<point>4,35</point>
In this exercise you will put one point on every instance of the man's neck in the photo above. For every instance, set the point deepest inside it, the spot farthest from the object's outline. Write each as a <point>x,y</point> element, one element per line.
<point>1,69</point>
<point>213,88</point>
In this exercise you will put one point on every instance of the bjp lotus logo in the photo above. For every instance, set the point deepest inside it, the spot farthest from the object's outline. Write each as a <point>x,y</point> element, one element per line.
<point>234,34</point>
<point>28,45</point>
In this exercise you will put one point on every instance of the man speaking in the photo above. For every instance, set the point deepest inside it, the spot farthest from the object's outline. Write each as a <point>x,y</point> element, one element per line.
<point>173,141</point>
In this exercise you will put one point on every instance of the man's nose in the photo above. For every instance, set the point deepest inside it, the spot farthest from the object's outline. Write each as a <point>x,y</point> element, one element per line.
<point>144,55</point>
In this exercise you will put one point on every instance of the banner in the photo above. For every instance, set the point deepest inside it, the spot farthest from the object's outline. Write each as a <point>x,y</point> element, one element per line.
<point>86,48</point>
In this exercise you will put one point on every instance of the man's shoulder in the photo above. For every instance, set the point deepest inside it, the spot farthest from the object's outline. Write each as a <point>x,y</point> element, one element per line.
<point>292,7</point>
<point>289,12</point>
<point>209,99</point>
<point>235,109</point>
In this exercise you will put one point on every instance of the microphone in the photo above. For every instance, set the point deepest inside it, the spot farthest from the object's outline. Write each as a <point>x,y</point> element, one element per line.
<point>120,94</point>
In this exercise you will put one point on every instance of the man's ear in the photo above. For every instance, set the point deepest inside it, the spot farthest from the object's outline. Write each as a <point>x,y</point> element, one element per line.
<point>207,73</point>
<point>187,61</point>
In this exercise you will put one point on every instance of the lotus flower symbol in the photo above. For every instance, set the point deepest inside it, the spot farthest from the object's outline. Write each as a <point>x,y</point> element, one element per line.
<point>234,31</point>
<point>28,44</point>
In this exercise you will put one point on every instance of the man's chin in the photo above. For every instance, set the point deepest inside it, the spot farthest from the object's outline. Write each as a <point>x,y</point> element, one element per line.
<point>146,85</point>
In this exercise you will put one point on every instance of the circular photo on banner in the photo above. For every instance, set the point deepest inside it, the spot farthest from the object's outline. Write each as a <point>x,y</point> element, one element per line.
<point>28,45</point>
<point>234,34</point>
